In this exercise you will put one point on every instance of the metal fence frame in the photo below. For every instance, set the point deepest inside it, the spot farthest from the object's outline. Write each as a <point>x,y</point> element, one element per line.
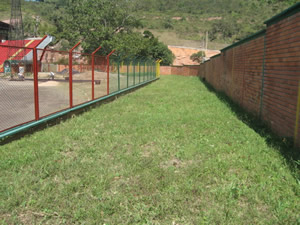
<point>148,76</point>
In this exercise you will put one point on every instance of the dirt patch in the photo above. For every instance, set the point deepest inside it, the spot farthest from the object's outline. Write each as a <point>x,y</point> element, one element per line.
<point>176,18</point>
<point>88,76</point>
<point>148,149</point>
<point>30,217</point>
<point>175,162</point>
<point>69,154</point>
<point>27,218</point>
<point>5,218</point>
<point>212,18</point>
<point>49,84</point>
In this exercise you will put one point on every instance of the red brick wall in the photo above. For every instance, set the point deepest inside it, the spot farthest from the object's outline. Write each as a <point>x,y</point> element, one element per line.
<point>282,72</point>
<point>253,59</point>
<point>165,70</point>
<point>262,74</point>
<point>180,70</point>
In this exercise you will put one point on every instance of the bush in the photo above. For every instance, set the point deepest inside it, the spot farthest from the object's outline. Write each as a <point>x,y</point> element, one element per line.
<point>198,57</point>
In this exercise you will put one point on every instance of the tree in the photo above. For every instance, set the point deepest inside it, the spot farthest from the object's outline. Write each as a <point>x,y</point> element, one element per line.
<point>134,44</point>
<point>110,24</point>
<point>158,50</point>
<point>198,57</point>
<point>96,21</point>
<point>28,24</point>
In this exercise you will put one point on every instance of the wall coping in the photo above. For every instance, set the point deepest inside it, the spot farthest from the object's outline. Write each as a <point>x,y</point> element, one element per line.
<point>215,56</point>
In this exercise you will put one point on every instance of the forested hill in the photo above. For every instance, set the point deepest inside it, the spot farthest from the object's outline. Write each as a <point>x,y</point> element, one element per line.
<point>225,20</point>
<point>213,7</point>
<point>130,26</point>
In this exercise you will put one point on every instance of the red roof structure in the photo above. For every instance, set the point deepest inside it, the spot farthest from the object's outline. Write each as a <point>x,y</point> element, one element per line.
<point>17,52</point>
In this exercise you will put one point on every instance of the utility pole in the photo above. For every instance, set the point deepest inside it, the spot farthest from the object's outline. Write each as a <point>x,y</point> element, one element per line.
<point>206,40</point>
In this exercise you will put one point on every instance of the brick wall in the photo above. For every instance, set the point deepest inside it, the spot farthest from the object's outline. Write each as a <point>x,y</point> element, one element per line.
<point>262,72</point>
<point>253,60</point>
<point>180,70</point>
<point>282,72</point>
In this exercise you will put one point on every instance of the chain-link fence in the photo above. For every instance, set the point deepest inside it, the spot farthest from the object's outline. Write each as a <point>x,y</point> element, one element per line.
<point>53,84</point>
<point>36,83</point>
<point>17,87</point>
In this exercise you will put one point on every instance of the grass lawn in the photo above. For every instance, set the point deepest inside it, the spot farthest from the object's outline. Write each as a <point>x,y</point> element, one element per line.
<point>170,153</point>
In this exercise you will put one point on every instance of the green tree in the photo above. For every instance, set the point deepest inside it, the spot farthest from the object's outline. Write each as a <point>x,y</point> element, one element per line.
<point>96,21</point>
<point>28,24</point>
<point>110,23</point>
<point>134,44</point>
<point>198,57</point>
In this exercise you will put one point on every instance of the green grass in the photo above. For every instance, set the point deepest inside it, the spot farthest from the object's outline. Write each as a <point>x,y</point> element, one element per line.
<point>170,153</point>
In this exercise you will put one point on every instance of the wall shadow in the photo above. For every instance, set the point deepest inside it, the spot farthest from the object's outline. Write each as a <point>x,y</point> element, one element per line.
<point>284,145</point>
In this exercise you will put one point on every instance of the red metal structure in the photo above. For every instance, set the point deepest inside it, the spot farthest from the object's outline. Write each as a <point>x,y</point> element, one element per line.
<point>108,70</point>
<point>93,72</point>
<point>71,73</point>
<point>36,85</point>
<point>41,102</point>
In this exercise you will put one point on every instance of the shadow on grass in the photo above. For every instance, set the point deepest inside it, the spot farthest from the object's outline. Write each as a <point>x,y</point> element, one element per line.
<point>283,145</point>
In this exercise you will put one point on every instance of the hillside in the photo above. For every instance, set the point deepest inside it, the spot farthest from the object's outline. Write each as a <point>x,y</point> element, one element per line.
<point>4,10</point>
<point>226,21</point>
<point>176,22</point>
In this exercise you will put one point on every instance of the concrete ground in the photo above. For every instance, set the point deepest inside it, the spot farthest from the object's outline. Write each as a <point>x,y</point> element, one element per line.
<point>17,97</point>
<point>16,103</point>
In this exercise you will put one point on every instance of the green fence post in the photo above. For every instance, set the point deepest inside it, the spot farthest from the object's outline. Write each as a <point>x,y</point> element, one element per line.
<point>127,73</point>
<point>154,67</point>
<point>118,64</point>
<point>148,70</point>
<point>139,65</point>
<point>152,71</point>
<point>144,71</point>
<point>133,71</point>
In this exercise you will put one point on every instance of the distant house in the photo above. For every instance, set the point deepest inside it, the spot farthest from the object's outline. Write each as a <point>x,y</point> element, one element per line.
<point>4,30</point>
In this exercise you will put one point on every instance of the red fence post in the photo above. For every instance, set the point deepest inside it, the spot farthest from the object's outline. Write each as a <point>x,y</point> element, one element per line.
<point>108,70</point>
<point>36,85</point>
<point>93,72</point>
<point>71,74</point>
<point>35,80</point>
